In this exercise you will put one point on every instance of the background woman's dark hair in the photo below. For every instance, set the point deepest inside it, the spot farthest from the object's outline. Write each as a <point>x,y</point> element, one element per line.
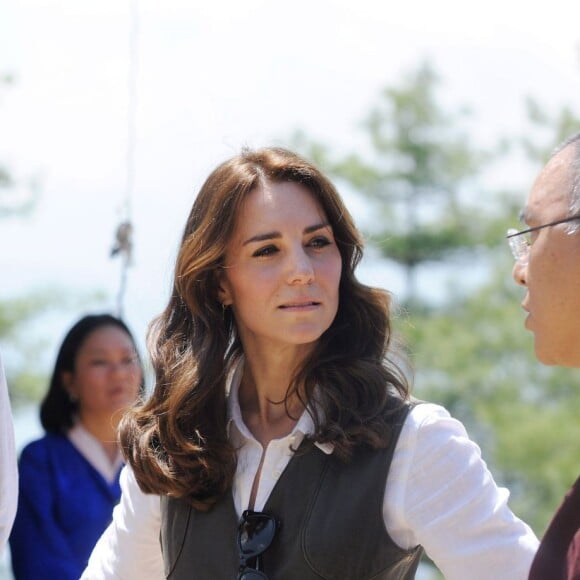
<point>176,441</point>
<point>57,409</point>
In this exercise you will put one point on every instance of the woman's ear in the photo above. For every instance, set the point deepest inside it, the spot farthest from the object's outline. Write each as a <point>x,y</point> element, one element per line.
<point>224,293</point>
<point>68,384</point>
<point>224,297</point>
<point>66,378</point>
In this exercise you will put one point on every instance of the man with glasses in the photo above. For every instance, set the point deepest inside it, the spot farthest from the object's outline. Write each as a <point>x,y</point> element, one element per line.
<point>547,255</point>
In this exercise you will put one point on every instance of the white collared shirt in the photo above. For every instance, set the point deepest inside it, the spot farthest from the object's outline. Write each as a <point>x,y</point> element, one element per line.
<point>92,450</point>
<point>439,494</point>
<point>8,464</point>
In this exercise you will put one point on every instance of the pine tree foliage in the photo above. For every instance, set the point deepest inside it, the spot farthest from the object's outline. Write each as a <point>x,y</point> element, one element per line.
<point>470,351</point>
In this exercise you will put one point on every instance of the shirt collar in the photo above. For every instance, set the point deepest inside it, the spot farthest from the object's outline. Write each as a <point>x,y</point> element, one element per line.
<point>239,433</point>
<point>91,449</point>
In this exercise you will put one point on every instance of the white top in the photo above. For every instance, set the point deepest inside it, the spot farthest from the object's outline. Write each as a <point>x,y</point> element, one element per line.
<point>8,465</point>
<point>92,450</point>
<point>439,494</point>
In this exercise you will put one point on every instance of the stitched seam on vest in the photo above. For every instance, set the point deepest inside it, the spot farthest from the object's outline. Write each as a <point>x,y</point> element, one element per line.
<point>309,513</point>
<point>412,554</point>
<point>178,554</point>
<point>406,555</point>
<point>409,406</point>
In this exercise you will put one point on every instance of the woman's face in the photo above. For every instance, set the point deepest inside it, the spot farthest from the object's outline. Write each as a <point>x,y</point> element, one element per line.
<point>282,269</point>
<point>107,373</point>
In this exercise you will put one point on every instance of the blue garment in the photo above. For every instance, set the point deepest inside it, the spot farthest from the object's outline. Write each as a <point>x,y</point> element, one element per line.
<point>64,506</point>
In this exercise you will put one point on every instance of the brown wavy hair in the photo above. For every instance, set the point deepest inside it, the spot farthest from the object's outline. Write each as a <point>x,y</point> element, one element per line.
<point>176,441</point>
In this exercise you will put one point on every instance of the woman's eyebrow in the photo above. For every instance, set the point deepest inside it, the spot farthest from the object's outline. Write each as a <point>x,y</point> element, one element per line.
<point>316,227</point>
<point>262,237</point>
<point>275,235</point>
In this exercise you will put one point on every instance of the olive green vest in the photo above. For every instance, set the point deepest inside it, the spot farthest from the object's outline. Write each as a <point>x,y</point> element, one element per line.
<point>332,525</point>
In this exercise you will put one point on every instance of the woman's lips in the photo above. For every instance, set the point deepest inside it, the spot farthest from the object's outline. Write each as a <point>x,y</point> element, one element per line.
<point>300,305</point>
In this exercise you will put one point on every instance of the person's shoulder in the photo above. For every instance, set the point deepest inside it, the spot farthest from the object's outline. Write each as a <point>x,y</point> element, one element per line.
<point>431,423</point>
<point>43,445</point>
<point>425,413</point>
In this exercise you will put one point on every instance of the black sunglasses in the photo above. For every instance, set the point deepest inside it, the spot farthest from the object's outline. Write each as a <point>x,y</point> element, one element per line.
<point>256,531</point>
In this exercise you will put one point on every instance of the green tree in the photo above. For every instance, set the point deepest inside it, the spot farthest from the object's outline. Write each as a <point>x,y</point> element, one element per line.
<point>17,314</point>
<point>470,351</point>
<point>473,356</point>
<point>547,130</point>
<point>419,166</point>
<point>17,197</point>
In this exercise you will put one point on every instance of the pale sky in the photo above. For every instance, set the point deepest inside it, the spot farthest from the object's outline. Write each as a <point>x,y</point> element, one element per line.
<point>212,77</point>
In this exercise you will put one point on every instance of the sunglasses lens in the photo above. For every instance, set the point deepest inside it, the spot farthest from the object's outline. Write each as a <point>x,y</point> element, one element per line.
<point>256,531</point>
<point>256,534</point>
<point>249,574</point>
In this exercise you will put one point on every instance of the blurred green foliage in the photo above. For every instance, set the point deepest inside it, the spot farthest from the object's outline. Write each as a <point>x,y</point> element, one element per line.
<point>26,380</point>
<point>469,350</point>
<point>17,196</point>
<point>415,176</point>
<point>473,356</point>
<point>22,344</point>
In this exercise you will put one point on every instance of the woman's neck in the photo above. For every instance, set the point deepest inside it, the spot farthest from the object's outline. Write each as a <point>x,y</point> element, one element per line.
<point>272,367</point>
<point>104,429</point>
<point>262,397</point>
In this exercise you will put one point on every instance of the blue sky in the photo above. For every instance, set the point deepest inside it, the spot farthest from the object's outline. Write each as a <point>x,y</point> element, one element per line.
<point>212,77</point>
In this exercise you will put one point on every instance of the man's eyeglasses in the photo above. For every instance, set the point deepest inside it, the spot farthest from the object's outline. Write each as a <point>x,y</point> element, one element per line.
<point>256,531</point>
<point>521,241</point>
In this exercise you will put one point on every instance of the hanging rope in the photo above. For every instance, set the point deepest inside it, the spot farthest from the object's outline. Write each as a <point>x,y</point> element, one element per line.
<point>123,243</point>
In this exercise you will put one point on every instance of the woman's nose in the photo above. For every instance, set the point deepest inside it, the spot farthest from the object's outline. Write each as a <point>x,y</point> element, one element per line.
<point>301,270</point>
<point>120,367</point>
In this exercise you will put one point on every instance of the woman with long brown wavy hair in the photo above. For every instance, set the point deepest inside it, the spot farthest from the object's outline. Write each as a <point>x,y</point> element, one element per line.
<point>281,440</point>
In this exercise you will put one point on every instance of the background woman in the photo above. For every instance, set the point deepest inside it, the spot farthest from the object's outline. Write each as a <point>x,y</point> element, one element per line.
<point>69,479</point>
<point>277,392</point>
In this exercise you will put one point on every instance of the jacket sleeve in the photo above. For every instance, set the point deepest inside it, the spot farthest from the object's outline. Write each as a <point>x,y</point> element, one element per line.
<point>39,547</point>
<point>129,549</point>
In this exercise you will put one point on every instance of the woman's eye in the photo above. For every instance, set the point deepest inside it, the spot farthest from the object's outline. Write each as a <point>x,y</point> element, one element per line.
<point>266,251</point>
<point>319,242</point>
<point>98,362</point>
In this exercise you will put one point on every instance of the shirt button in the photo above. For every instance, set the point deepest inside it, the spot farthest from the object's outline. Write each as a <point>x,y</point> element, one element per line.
<point>276,473</point>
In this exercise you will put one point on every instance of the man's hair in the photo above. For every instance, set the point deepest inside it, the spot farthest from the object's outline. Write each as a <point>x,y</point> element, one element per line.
<point>574,199</point>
